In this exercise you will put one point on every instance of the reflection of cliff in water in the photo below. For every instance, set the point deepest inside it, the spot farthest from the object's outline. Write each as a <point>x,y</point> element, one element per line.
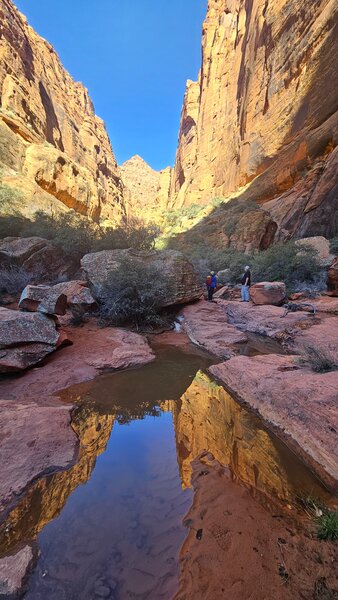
<point>45,500</point>
<point>207,418</point>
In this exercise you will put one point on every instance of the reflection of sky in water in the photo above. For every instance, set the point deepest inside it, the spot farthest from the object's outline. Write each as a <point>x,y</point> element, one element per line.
<point>114,520</point>
<point>122,530</point>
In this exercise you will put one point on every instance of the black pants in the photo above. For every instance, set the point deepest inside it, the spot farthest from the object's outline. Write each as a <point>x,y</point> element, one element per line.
<point>211,291</point>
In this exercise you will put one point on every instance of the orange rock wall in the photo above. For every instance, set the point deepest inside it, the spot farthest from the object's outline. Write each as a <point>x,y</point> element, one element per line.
<point>49,133</point>
<point>265,106</point>
<point>146,191</point>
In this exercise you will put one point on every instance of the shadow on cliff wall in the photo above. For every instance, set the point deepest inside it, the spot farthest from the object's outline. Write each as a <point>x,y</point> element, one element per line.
<point>313,133</point>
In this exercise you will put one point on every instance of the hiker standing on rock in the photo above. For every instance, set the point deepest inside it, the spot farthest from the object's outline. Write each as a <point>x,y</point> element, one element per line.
<point>246,282</point>
<point>211,283</point>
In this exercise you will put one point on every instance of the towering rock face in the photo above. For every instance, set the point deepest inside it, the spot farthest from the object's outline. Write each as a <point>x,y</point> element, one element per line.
<point>263,114</point>
<point>146,190</point>
<point>52,145</point>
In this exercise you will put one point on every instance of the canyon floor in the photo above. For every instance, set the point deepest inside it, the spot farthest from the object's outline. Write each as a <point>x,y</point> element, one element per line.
<point>224,406</point>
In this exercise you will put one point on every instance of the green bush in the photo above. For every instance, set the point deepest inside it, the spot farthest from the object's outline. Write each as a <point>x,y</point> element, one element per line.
<point>327,526</point>
<point>134,234</point>
<point>77,235</point>
<point>10,198</point>
<point>70,231</point>
<point>131,296</point>
<point>284,262</point>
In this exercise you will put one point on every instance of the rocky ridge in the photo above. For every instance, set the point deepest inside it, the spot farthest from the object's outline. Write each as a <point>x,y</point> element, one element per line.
<point>53,147</point>
<point>261,122</point>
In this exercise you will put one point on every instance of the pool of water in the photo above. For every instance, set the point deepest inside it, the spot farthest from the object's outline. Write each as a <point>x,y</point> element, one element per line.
<point>111,526</point>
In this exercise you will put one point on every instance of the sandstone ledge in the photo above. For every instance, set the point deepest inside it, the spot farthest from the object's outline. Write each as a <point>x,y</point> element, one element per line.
<point>299,404</point>
<point>207,326</point>
<point>94,350</point>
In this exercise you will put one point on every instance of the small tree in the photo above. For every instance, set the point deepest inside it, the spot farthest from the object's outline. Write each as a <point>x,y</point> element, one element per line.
<point>133,294</point>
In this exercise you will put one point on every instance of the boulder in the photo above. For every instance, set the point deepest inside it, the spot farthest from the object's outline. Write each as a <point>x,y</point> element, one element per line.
<point>332,278</point>
<point>206,324</point>
<point>26,338</point>
<point>267,292</point>
<point>321,245</point>
<point>77,293</point>
<point>36,255</point>
<point>43,298</point>
<point>177,270</point>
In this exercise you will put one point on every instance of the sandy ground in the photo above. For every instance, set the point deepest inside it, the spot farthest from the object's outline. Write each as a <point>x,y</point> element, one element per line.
<point>239,549</point>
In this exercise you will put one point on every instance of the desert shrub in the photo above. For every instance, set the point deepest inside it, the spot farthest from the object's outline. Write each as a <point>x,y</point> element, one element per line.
<point>12,225</point>
<point>206,258</point>
<point>10,198</point>
<point>327,526</point>
<point>77,235</point>
<point>234,210</point>
<point>284,262</point>
<point>134,234</point>
<point>334,246</point>
<point>131,296</point>
<point>70,231</point>
<point>173,219</point>
<point>13,279</point>
<point>321,360</point>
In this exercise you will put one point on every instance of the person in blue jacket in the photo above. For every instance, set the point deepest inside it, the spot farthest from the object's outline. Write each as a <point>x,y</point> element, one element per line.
<point>211,283</point>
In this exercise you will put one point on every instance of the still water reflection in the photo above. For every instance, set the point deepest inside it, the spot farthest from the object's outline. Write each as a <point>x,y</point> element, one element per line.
<point>111,526</point>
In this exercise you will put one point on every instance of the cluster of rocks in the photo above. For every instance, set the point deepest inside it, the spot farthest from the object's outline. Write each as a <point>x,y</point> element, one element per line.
<point>30,334</point>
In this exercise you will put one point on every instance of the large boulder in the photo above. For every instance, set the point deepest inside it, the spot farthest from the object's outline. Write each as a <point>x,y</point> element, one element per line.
<point>77,293</point>
<point>321,245</point>
<point>36,255</point>
<point>268,292</point>
<point>179,273</point>
<point>43,298</point>
<point>26,338</point>
<point>332,278</point>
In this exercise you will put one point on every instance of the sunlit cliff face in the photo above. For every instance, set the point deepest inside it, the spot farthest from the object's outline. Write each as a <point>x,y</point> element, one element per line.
<point>207,418</point>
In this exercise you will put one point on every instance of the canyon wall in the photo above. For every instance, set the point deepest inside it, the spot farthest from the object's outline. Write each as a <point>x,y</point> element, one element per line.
<point>146,191</point>
<point>262,119</point>
<point>52,145</point>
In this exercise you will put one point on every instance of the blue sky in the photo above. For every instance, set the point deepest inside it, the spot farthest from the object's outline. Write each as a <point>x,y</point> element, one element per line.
<point>134,56</point>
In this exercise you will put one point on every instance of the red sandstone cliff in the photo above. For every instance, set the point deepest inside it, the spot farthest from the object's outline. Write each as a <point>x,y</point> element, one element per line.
<point>262,120</point>
<point>52,145</point>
